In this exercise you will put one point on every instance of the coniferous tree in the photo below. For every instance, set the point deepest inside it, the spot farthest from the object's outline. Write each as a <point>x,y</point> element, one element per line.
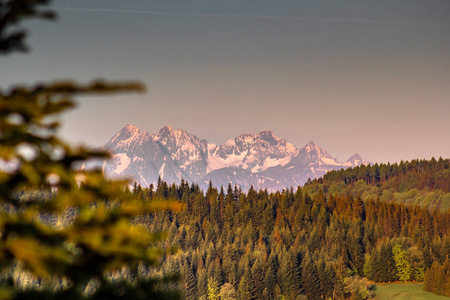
<point>310,278</point>
<point>246,290</point>
<point>339,289</point>
<point>290,283</point>
<point>202,283</point>
<point>327,280</point>
<point>190,283</point>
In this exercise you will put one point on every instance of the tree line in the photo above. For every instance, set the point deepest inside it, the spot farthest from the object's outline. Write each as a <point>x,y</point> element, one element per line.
<point>419,182</point>
<point>419,174</point>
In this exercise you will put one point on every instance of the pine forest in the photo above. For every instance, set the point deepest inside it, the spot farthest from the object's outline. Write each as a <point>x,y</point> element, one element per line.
<point>311,242</point>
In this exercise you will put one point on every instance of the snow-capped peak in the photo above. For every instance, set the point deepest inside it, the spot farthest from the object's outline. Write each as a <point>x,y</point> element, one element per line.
<point>185,149</point>
<point>128,130</point>
<point>126,133</point>
<point>166,130</point>
<point>131,128</point>
<point>246,137</point>
<point>312,148</point>
<point>261,159</point>
<point>356,160</point>
<point>354,156</point>
<point>268,136</point>
<point>170,132</point>
<point>252,152</point>
<point>313,154</point>
<point>176,138</point>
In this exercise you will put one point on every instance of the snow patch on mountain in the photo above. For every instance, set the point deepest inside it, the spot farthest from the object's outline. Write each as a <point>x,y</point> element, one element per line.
<point>122,162</point>
<point>270,162</point>
<point>356,160</point>
<point>214,161</point>
<point>231,160</point>
<point>161,171</point>
<point>330,161</point>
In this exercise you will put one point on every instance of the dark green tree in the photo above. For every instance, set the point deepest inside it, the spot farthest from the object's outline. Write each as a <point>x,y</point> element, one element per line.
<point>291,283</point>
<point>310,279</point>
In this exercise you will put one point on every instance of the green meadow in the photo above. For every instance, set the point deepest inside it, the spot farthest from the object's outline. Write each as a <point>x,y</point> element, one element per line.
<point>404,291</point>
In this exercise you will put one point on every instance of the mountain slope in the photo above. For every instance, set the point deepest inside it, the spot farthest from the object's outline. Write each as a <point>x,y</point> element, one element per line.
<point>252,152</point>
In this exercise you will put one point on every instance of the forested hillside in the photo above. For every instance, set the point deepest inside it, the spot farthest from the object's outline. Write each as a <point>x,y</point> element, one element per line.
<point>294,244</point>
<point>422,182</point>
<point>291,245</point>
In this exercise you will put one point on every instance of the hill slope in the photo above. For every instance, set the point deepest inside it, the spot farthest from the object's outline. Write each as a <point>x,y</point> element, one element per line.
<point>423,182</point>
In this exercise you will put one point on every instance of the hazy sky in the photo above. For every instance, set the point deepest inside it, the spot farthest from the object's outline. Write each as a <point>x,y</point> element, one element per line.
<point>369,76</point>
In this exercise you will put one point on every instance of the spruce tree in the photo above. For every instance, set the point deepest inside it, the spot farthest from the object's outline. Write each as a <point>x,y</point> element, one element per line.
<point>310,279</point>
<point>258,277</point>
<point>202,283</point>
<point>270,281</point>
<point>387,263</point>
<point>327,279</point>
<point>245,292</point>
<point>190,284</point>
<point>291,282</point>
<point>339,289</point>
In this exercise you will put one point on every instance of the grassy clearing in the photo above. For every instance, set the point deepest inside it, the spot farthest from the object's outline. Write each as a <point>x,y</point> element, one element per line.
<point>404,291</point>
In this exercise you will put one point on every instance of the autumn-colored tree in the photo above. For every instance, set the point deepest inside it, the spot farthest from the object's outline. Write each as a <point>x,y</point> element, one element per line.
<point>213,289</point>
<point>227,292</point>
<point>402,263</point>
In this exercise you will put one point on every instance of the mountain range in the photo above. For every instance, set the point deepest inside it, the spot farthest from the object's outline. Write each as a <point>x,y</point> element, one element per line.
<point>262,160</point>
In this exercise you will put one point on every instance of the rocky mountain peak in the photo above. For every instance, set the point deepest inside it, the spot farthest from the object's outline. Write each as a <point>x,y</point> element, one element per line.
<point>314,149</point>
<point>184,149</point>
<point>166,131</point>
<point>357,160</point>
<point>310,146</point>
<point>130,128</point>
<point>312,154</point>
<point>245,135</point>
<point>262,160</point>
<point>242,142</point>
<point>268,136</point>
<point>127,131</point>
<point>175,138</point>
<point>128,134</point>
<point>355,156</point>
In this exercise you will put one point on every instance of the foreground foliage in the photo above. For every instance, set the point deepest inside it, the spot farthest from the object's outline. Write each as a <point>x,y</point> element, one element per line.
<point>83,257</point>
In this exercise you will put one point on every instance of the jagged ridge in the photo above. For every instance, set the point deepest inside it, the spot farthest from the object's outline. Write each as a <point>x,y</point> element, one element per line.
<point>262,160</point>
